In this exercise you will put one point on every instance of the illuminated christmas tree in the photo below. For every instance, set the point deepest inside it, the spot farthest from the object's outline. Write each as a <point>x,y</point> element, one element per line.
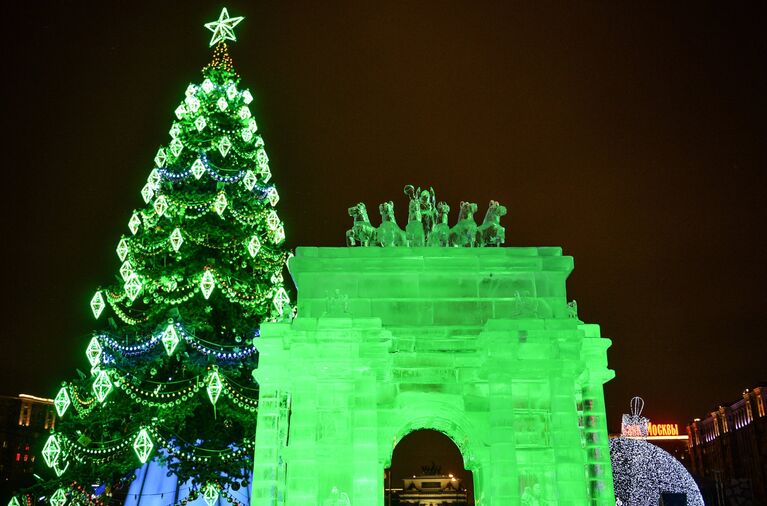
<point>200,268</point>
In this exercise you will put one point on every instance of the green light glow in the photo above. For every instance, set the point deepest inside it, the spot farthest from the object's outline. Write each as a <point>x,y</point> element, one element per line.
<point>281,299</point>
<point>143,445</point>
<point>224,145</point>
<point>170,339</point>
<point>52,450</point>
<point>59,498</point>
<point>249,180</point>
<point>176,239</point>
<point>132,286</point>
<point>176,146</point>
<point>122,249</point>
<point>273,196</point>
<point>62,401</point>
<point>175,130</point>
<point>222,104</point>
<point>160,158</point>
<point>247,98</point>
<point>279,234</point>
<point>231,91</point>
<point>198,169</point>
<point>207,85</point>
<point>180,111</point>
<point>97,304</point>
<point>160,205</point>
<point>220,204</point>
<point>254,246</point>
<point>265,172</point>
<point>200,123</point>
<point>273,220</point>
<point>207,283</point>
<point>214,387</point>
<point>147,192</point>
<point>126,270</point>
<point>223,28</point>
<point>14,502</point>
<point>102,386</point>
<point>93,352</point>
<point>134,223</point>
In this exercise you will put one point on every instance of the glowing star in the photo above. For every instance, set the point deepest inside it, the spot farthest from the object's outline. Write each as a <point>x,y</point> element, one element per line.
<point>273,196</point>
<point>273,220</point>
<point>198,168</point>
<point>224,145</point>
<point>134,223</point>
<point>249,180</point>
<point>102,386</point>
<point>122,249</point>
<point>214,387</point>
<point>160,205</point>
<point>147,192</point>
<point>261,157</point>
<point>246,134</point>
<point>244,112</point>
<point>200,123</point>
<point>52,450</point>
<point>190,90</point>
<point>62,401</point>
<point>176,146</point>
<point>59,498</point>
<point>231,91</point>
<point>176,239</point>
<point>254,246</point>
<point>93,352</point>
<point>247,97</point>
<point>132,287</point>
<point>223,29</point>
<point>160,158</point>
<point>210,494</point>
<point>265,173</point>
<point>192,103</point>
<point>170,339</point>
<point>252,126</point>
<point>220,204</point>
<point>207,283</point>
<point>97,304</point>
<point>143,445</point>
<point>207,85</point>
<point>180,111</point>
<point>280,300</point>
<point>126,269</point>
<point>279,235</point>
<point>222,103</point>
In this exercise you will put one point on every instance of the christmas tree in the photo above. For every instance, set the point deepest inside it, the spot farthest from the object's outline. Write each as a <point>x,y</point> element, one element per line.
<point>200,268</point>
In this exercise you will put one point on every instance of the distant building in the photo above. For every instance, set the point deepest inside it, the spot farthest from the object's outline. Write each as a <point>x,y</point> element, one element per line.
<point>24,421</point>
<point>428,490</point>
<point>728,451</point>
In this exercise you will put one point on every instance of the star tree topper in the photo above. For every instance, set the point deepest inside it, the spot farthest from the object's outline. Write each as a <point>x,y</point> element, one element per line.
<point>223,29</point>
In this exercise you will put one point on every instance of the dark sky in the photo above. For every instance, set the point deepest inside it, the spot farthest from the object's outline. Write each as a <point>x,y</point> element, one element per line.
<point>631,135</point>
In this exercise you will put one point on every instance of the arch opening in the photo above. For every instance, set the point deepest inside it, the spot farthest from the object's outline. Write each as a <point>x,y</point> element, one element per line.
<point>427,469</point>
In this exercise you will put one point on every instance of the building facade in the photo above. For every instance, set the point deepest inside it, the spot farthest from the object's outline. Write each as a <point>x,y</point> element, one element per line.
<point>728,451</point>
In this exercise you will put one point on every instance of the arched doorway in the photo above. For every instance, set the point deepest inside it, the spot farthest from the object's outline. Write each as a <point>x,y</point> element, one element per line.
<point>427,469</point>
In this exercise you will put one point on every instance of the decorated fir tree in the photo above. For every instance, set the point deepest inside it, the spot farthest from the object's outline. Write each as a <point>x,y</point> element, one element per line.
<point>200,268</point>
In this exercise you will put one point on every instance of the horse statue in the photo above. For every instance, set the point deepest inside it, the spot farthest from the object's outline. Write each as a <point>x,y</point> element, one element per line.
<point>464,233</point>
<point>441,230</point>
<point>389,233</point>
<point>414,229</point>
<point>491,233</point>
<point>362,232</point>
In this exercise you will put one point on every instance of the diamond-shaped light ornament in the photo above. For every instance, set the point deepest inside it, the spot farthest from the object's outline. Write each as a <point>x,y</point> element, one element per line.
<point>143,445</point>
<point>134,223</point>
<point>160,205</point>
<point>192,103</point>
<point>52,450</point>
<point>280,300</point>
<point>176,146</point>
<point>254,245</point>
<point>222,103</point>
<point>93,351</point>
<point>220,203</point>
<point>62,401</point>
<point>246,134</point>
<point>170,339</point>
<point>231,91</point>
<point>175,130</point>
<point>14,502</point>
<point>214,386</point>
<point>252,126</point>
<point>126,270</point>
<point>273,196</point>
<point>224,145</point>
<point>59,498</point>
<point>247,97</point>
<point>160,158</point>
<point>210,494</point>
<point>190,90</point>
<point>198,168</point>
<point>97,304</point>
<point>265,172</point>
<point>102,386</point>
<point>261,157</point>
<point>279,235</point>
<point>200,123</point>
<point>244,112</point>
<point>147,192</point>
<point>259,142</point>
<point>207,283</point>
<point>154,178</point>
<point>273,220</point>
<point>132,287</point>
<point>176,239</point>
<point>180,111</point>
<point>249,180</point>
<point>207,85</point>
<point>122,249</point>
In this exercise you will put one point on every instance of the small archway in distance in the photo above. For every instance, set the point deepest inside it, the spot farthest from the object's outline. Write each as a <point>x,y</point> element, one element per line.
<point>431,453</point>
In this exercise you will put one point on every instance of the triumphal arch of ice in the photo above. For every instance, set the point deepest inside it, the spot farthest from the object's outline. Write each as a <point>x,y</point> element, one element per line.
<point>479,343</point>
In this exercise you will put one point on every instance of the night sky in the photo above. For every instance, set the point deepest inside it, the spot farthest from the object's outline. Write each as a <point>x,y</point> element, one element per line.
<point>631,135</point>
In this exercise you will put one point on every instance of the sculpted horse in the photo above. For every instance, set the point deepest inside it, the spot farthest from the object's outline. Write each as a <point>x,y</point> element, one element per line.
<point>491,233</point>
<point>440,232</point>
<point>362,232</point>
<point>389,233</point>
<point>464,233</point>
<point>414,229</point>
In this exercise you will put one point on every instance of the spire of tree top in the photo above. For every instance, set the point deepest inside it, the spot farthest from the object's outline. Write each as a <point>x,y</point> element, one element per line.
<point>223,28</point>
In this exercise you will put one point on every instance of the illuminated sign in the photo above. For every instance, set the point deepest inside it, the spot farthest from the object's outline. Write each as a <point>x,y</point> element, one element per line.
<point>662,429</point>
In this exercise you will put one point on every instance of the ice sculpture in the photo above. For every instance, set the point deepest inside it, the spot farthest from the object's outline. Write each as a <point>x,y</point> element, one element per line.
<point>477,343</point>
